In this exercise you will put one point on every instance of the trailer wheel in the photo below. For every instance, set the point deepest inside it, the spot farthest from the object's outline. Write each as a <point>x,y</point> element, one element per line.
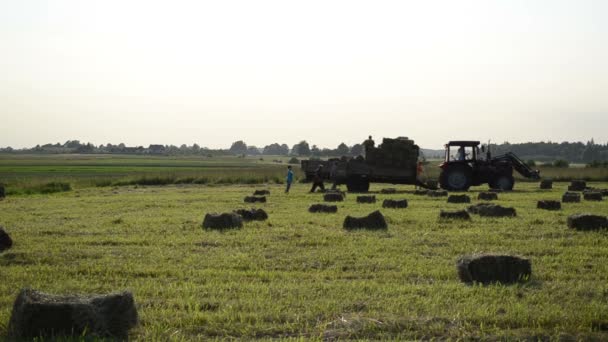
<point>456,178</point>
<point>357,184</point>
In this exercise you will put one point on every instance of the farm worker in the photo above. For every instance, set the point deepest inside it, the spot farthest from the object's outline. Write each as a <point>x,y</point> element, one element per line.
<point>460,154</point>
<point>317,181</point>
<point>289,179</point>
<point>332,174</point>
<point>420,173</point>
<point>368,144</point>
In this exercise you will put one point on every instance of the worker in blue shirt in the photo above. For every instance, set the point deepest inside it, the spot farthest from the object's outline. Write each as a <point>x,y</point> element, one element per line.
<point>289,179</point>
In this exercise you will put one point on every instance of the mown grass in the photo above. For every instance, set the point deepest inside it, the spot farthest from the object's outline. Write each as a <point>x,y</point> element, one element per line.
<point>300,275</point>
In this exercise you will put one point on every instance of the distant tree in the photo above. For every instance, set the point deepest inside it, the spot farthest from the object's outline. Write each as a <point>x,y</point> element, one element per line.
<point>276,150</point>
<point>253,151</point>
<point>301,149</point>
<point>315,151</point>
<point>561,163</point>
<point>238,147</point>
<point>293,160</point>
<point>342,149</point>
<point>356,150</point>
<point>196,148</point>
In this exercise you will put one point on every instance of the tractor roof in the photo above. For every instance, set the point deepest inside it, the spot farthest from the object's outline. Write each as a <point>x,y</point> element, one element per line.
<point>463,143</point>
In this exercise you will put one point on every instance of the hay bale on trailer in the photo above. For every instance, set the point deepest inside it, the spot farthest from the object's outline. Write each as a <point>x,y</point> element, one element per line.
<point>323,208</point>
<point>261,192</point>
<point>5,240</point>
<point>255,199</point>
<point>577,185</point>
<point>571,197</point>
<point>366,199</point>
<point>487,269</point>
<point>491,210</point>
<point>252,214</point>
<point>587,222</point>
<point>487,196</point>
<point>37,314</point>
<point>223,221</point>
<point>394,204</point>
<point>549,205</point>
<point>459,199</point>
<point>454,214</point>
<point>374,220</point>
<point>546,184</point>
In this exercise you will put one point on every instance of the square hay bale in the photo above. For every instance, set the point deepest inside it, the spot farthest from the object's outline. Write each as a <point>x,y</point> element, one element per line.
<point>39,314</point>
<point>388,191</point>
<point>421,192</point>
<point>571,197</point>
<point>5,240</point>
<point>459,199</point>
<point>487,269</point>
<point>495,190</point>
<point>577,185</point>
<point>2,192</point>
<point>255,199</point>
<point>395,204</point>
<point>261,192</point>
<point>455,214</point>
<point>437,193</point>
<point>487,196</point>
<point>374,220</point>
<point>333,197</point>
<point>323,208</point>
<point>491,210</point>
<point>223,221</point>
<point>432,184</point>
<point>587,222</point>
<point>546,184</point>
<point>252,214</point>
<point>549,205</point>
<point>592,196</point>
<point>366,199</point>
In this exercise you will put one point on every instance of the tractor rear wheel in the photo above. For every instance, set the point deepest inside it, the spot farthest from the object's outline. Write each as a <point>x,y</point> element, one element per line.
<point>456,178</point>
<point>503,182</point>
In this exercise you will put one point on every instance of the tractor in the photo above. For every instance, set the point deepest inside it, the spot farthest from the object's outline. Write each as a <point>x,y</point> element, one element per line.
<point>468,167</point>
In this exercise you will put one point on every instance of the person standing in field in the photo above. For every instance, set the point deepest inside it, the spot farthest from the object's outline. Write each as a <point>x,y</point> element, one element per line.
<point>289,179</point>
<point>317,180</point>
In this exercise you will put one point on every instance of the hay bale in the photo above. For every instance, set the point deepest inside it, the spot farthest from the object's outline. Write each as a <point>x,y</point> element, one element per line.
<point>577,185</point>
<point>5,240</point>
<point>495,190</point>
<point>456,214</point>
<point>323,208</point>
<point>549,205</point>
<point>366,199</point>
<point>374,220</point>
<point>546,184</point>
<point>255,199</point>
<point>487,196</point>
<point>395,204</point>
<point>571,197</point>
<point>252,214</point>
<point>592,196</point>
<point>491,210</point>
<point>223,221</point>
<point>421,192</point>
<point>437,193</point>
<point>37,314</point>
<point>487,269</point>
<point>432,184</point>
<point>333,197</point>
<point>604,192</point>
<point>261,192</point>
<point>587,222</point>
<point>2,191</point>
<point>459,199</point>
<point>388,191</point>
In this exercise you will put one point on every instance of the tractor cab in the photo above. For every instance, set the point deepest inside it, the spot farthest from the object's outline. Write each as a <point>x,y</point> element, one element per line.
<point>462,151</point>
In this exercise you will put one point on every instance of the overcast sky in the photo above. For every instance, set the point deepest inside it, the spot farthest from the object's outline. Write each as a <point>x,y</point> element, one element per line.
<point>212,72</point>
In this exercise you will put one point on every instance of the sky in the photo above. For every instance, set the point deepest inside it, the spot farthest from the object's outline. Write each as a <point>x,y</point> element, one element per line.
<point>213,72</point>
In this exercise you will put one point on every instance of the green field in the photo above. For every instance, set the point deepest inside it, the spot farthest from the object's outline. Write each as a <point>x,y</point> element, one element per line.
<point>301,275</point>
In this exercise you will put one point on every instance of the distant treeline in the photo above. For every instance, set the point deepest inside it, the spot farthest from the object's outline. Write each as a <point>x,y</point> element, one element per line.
<point>575,152</point>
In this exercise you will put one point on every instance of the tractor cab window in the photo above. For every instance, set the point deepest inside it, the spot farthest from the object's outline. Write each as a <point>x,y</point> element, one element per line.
<point>462,153</point>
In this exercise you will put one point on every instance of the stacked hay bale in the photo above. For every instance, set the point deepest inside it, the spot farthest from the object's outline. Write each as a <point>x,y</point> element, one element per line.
<point>571,197</point>
<point>577,185</point>
<point>366,199</point>
<point>491,210</point>
<point>5,240</point>
<point>592,195</point>
<point>400,152</point>
<point>388,191</point>
<point>395,204</point>
<point>487,269</point>
<point>333,197</point>
<point>223,221</point>
<point>37,314</point>
<point>456,214</point>
<point>374,220</point>
<point>546,184</point>
<point>255,199</point>
<point>459,199</point>
<point>323,208</point>
<point>587,222</point>
<point>252,214</point>
<point>487,196</point>
<point>549,205</point>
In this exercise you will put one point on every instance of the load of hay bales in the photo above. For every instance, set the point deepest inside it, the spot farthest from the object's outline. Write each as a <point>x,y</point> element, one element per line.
<point>487,196</point>
<point>323,208</point>
<point>577,185</point>
<point>400,152</point>
<point>366,199</point>
<point>261,192</point>
<point>592,195</point>
<point>37,314</point>
<point>394,204</point>
<point>571,197</point>
<point>587,222</point>
<point>421,192</point>
<point>252,214</point>
<point>5,240</point>
<point>549,205</point>
<point>255,199</point>
<point>491,210</point>
<point>333,197</point>
<point>388,191</point>
<point>437,193</point>
<point>374,220</point>
<point>546,184</point>
<point>459,199</point>
<point>487,269</point>
<point>455,214</point>
<point>223,221</point>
